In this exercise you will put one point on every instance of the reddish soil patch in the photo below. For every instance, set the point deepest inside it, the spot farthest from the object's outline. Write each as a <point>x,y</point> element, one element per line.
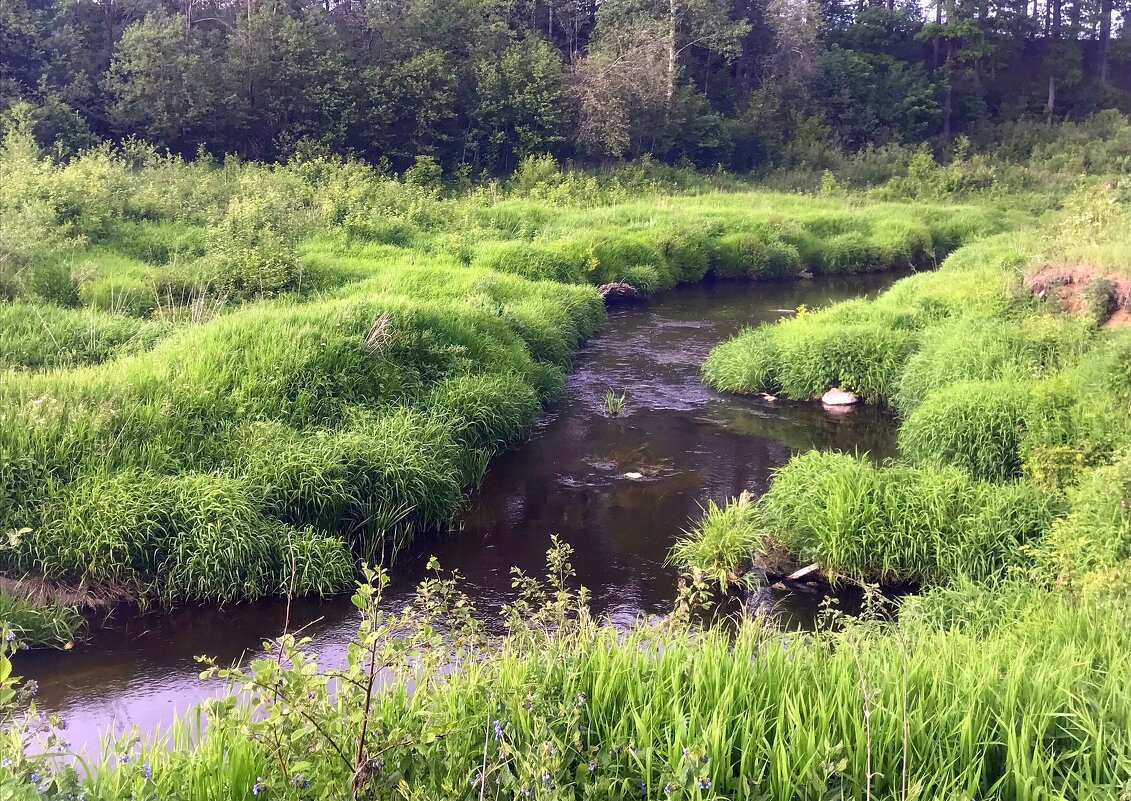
<point>1080,288</point>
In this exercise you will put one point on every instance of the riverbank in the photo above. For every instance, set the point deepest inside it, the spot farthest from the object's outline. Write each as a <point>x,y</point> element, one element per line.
<point>1013,394</point>
<point>230,381</point>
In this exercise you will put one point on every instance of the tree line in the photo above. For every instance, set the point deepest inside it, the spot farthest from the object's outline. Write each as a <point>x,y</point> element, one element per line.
<point>478,85</point>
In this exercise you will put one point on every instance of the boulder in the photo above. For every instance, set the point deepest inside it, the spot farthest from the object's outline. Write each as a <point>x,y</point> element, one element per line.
<point>839,397</point>
<point>619,292</point>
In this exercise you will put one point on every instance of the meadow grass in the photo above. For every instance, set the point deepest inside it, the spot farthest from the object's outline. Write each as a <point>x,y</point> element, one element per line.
<point>254,367</point>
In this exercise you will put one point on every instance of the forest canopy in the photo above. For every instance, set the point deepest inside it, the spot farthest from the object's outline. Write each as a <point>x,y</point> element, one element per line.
<point>478,85</point>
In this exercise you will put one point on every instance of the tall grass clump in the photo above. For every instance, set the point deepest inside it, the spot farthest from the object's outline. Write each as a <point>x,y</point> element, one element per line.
<point>896,523</point>
<point>803,357</point>
<point>975,425</point>
<point>721,543</point>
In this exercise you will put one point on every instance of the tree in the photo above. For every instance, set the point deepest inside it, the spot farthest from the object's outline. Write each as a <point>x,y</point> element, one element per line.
<point>166,86</point>
<point>520,110</point>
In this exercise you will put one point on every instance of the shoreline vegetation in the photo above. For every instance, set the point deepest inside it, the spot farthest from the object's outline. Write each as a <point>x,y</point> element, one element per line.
<point>322,359</point>
<point>225,381</point>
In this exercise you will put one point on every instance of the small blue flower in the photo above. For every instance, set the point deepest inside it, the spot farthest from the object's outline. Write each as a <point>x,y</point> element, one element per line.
<point>704,784</point>
<point>592,765</point>
<point>545,777</point>
<point>498,730</point>
<point>258,786</point>
<point>11,635</point>
<point>5,762</point>
<point>34,777</point>
<point>668,788</point>
<point>148,771</point>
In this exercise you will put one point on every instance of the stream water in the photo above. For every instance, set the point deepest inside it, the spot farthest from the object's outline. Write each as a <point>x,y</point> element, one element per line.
<point>689,444</point>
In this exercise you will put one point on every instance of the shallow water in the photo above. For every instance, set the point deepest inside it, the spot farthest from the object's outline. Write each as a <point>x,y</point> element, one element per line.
<point>690,445</point>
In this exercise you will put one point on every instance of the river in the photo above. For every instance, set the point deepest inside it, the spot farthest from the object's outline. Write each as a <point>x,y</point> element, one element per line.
<point>689,444</point>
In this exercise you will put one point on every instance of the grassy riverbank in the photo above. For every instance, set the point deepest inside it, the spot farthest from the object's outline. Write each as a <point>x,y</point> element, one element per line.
<point>223,381</point>
<point>1009,368</point>
<point>333,389</point>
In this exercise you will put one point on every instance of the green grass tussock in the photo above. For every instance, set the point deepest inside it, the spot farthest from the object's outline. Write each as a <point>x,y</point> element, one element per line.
<point>40,336</point>
<point>898,524</point>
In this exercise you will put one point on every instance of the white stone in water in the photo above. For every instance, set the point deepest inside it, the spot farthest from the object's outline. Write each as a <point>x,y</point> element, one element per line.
<point>634,476</point>
<point>838,397</point>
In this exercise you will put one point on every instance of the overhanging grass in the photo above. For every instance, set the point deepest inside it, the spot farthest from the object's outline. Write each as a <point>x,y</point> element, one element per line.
<point>38,625</point>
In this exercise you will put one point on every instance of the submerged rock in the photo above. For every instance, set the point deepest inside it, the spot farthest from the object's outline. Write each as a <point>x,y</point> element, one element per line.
<point>619,292</point>
<point>839,397</point>
<point>634,476</point>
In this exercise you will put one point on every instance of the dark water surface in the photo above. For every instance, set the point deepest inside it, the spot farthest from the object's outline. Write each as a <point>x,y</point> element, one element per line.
<point>690,444</point>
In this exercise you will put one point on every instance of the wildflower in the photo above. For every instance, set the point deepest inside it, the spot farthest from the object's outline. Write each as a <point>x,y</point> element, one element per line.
<point>476,779</point>
<point>525,792</point>
<point>35,777</point>
<point>299,781</point>
<point>545,777</point>
<point>5,762</point>
<point>686,754</point>
<point>704,784</point>
<point>581,699</point>
<point>643,786</point>
<point>147,770</point>
<point>11,635</point>
<point>498,730</point>
<point>33,687</point>
<point>592,765</point>
<point>668,788</point>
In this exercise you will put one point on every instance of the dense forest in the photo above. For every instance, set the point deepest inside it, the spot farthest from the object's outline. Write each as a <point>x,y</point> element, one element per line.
<point>477,85</point>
